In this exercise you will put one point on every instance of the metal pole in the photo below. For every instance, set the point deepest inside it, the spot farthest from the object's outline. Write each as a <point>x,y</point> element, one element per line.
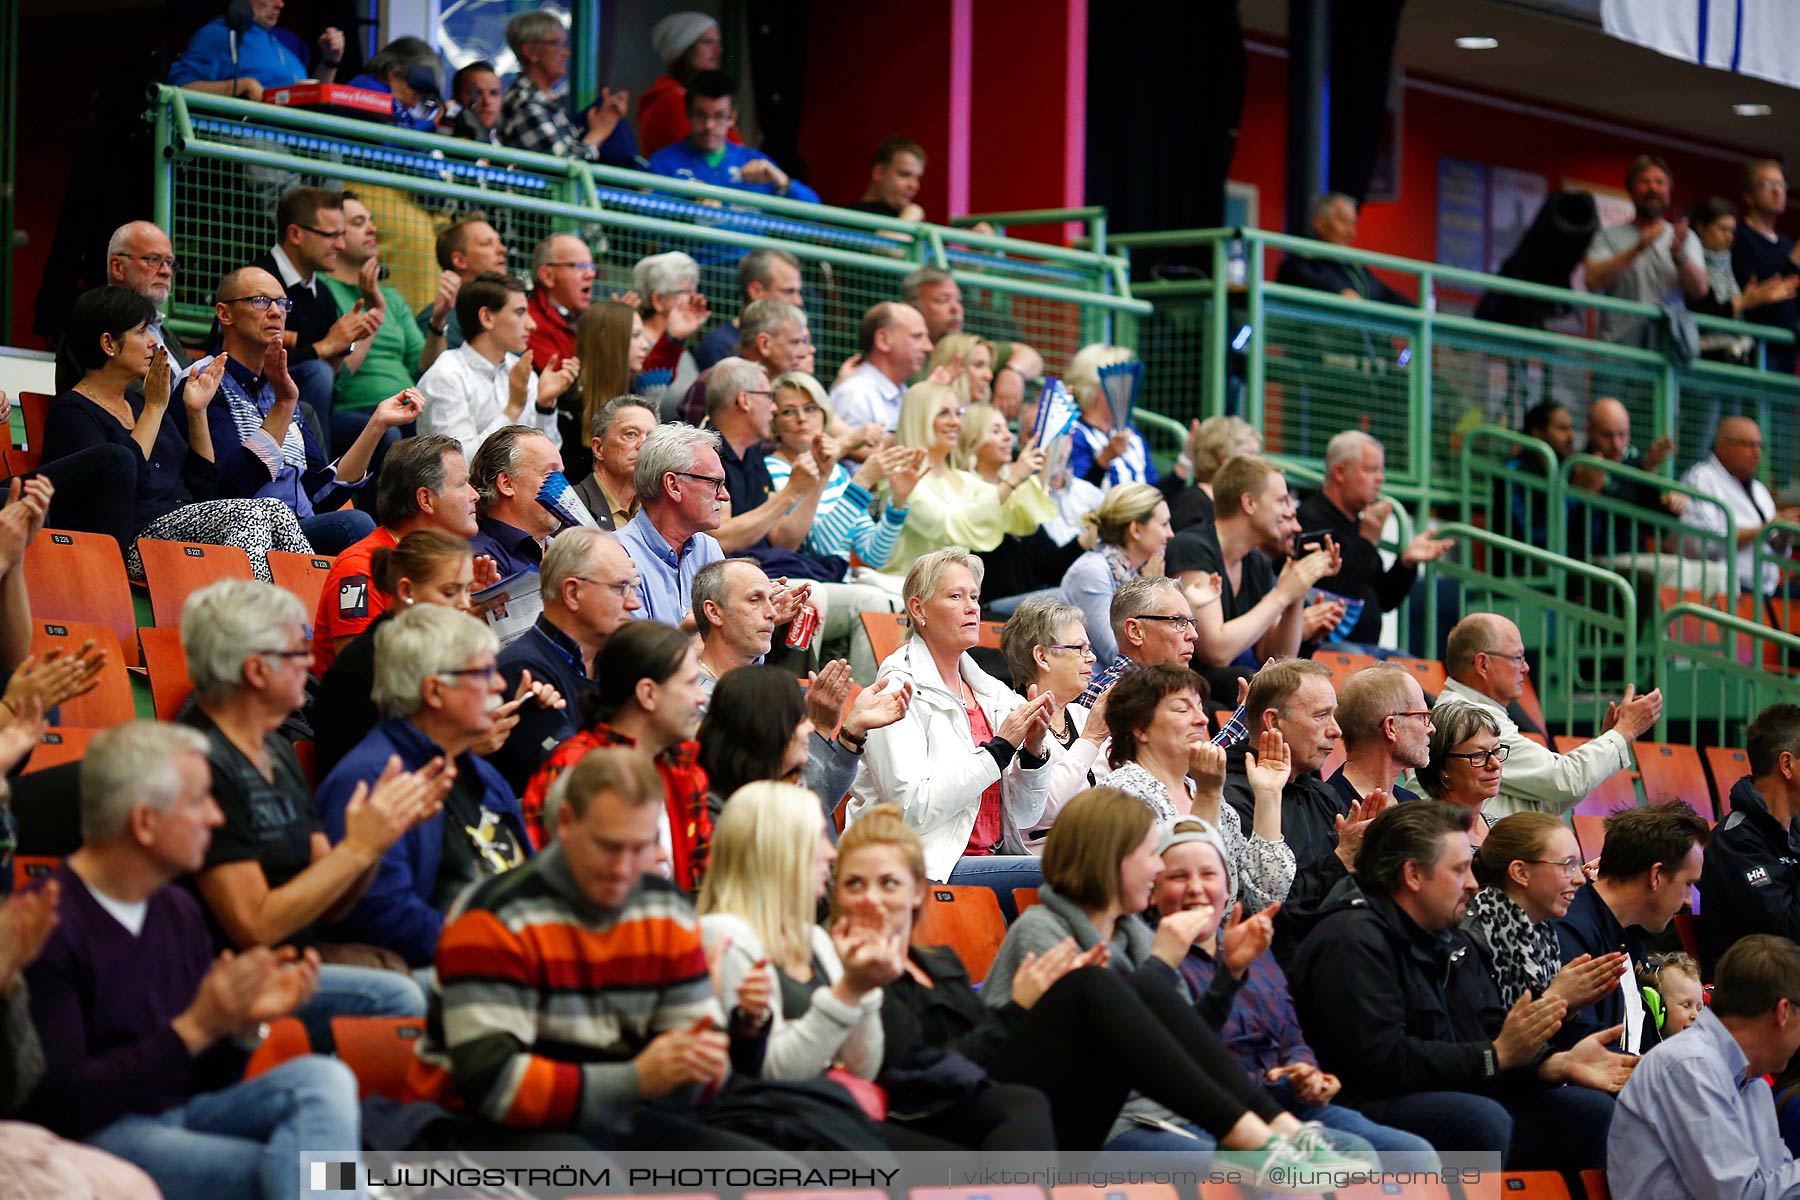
<point>1309,108</point>
<point>584,60</point>
<point>9,127</point>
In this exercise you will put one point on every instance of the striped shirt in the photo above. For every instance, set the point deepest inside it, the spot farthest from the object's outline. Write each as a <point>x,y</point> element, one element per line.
<point>841,524</point>
<point>543,1000</point>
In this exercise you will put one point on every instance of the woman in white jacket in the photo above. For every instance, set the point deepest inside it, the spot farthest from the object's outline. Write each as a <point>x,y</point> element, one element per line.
<point>968,765</point>
<point>771,860</point>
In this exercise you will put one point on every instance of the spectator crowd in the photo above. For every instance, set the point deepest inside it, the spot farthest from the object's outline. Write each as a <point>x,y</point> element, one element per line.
<point>659,683</point>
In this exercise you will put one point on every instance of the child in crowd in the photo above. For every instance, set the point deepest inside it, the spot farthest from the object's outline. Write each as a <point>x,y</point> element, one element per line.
<point>1672,992</point>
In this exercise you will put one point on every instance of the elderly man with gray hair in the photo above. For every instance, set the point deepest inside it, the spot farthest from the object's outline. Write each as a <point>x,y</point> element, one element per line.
<point>436,685</point>
<point>143,1031</point>
<point>773,335</point>
<point>1485,658</point>
<point>766,273</point>
<point>1348,506</point>
<point>681,487</point>
<point>589,587</point>
<point>508,472</point>
<point>270,876</point>
<point>1333,220</point>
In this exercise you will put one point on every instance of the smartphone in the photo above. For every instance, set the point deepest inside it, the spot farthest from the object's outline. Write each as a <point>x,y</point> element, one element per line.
<point>1313,540</point>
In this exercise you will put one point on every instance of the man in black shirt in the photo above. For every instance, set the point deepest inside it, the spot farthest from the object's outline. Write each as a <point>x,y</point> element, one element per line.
<point>1333,219</point>
<point>1349,507</point>
<point>1750,879</point>
<point>1760,251</point>
<point>1258,615</point>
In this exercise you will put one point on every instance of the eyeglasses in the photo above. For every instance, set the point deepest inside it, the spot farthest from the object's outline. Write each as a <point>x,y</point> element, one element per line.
<point>262,303</point>
<point>1180,622</point>
<point>305,652</point>
<point>1481,758</point>
<point>583,267</point>
<point>623,589</point>
<point>330,235</point>
<point>1570,866</point>
<point>1518,658</point>
<point>794,414</point>
<point>719,482</point>
<point>155,262</point>
<point>1421,712</point>
<point>1085,649</point>
<point>488,674</point>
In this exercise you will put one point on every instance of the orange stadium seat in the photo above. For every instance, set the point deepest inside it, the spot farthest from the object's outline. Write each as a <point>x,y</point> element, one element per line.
<point>81,577</point>
<point>966,919</point>
<point>887,632</point>
<point>1341,664</point>
<point>1428,671</point>
<point>1024,898</point>
<point>1532,1185</point>
<point>1382,1191</point>
<point>35,408</point>
<point>1590,833</point>
<point>28,869</point>
<point>287,1039</point>
<point>301,574</point>
<point>169,683</point>
<point>59,745</point>
<point>1672,772</point>
<point>1616,791</point>
<point>175,570</point>
<point>1528,700</point>
<point>379,1050</point>
<point>1593,1181</point>
<point>109,703</point>
<point>1727,766</point>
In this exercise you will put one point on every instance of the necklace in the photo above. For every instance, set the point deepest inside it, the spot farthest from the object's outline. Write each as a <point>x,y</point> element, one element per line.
<point>105,405</point>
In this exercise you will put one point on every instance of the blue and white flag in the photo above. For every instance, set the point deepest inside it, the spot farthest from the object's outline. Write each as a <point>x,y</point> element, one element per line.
<point>1750,37</point>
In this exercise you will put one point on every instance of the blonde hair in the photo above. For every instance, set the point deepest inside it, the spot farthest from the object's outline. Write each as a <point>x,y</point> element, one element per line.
<point>952,346</point>
<point>882,825</point>
<point>926,574</point>
<point>1220,440</point>
<point>1123,506</point>
<point>1083,375</point>
<point>978,423</point>
<point>761,870</point>
<point>918,409</point>
<point>800,381</point>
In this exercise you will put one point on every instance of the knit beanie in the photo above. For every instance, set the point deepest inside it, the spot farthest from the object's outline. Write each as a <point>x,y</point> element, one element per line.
<point>1198,829</point>
<point>671,36</point>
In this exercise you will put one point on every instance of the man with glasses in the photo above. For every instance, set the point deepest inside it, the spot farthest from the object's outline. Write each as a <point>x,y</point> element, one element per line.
<point>707,155</point>
<point>1152,622</point>
<point>139,256</point>
<point>1651,860</point>
<point>590,588</point>
<point>1751,881</point>
<point>1485,659</point>
<point>682,487</point>
<point>534,114</point>
<point>1729,475</point>
<point>1761,251</point>
<point>309,236</point>
<point>562,288</point>
<point>766,273</point>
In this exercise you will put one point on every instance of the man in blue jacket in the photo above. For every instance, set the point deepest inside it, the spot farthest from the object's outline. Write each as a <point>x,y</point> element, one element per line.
<point>438,687</point>
<point>706,156</point>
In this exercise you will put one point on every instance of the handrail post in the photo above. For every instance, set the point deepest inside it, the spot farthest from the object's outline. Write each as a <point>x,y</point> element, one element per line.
<point>1418,391</point>
<point>1218,335</point>
<point>1253,312</point>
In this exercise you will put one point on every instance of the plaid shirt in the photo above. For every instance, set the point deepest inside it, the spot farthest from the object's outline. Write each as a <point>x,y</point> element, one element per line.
<point>534,119</point>
<point>684,791</point>
<point>1262,1029</point>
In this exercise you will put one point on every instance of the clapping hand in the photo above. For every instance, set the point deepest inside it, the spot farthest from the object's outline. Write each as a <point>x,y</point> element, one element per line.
<point>878,707</point>
<point>1426,547</point>
<point>158,381</point>
<point>1206,767</point>
<point>787,600</point>
<point>1038,973</point>
<point>557,377</point>
<point>1027,725</point>
<point>368,282</point>
<point>402,408</point>
<point>21,732</point>
<point>826,690</point>
<point>26,919</point>
<point>686,316</point>
<point>1246,939</point>
<point>1268,769</point>
<point>198,390</point>
<point>1350,826</point>
<point>1374,520</point>
<point>1317,620</point>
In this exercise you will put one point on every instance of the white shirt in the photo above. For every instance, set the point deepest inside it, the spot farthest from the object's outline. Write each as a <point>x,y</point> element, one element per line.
<point>1539,780</point>
<point>868,397</point>
<point>290,274</point>
<point>466,398</point>
<point>1748,509</point>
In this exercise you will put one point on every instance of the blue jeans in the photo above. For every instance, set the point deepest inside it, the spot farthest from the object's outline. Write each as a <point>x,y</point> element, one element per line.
<point>1342,1130</point>
<point>1554,1129</point>
<point>358,992</point>
<point>1005,606</point>
<point>1000,873</point>
<point>245,1140</point>
<point>335,532</point>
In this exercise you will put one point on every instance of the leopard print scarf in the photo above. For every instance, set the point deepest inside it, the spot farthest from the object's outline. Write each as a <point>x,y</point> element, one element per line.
<point>1525,955</point>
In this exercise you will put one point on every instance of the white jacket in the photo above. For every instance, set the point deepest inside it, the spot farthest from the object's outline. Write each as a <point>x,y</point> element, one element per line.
<point>929,765</point>
<point>1069,770</point>
<point>830,1031</point>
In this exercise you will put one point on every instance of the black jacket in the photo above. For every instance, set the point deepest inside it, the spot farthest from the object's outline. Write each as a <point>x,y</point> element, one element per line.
<point>1589,927</point>
<point>948,1015</point>
<point>1392,1009</point>
<point>1309,810</point>
<point>1329,275</point>
<point>1363,577</point>
<point>1750,881</point>
<point>552,657</point>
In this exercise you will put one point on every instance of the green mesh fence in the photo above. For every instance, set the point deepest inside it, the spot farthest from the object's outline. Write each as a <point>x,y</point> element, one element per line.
<point>1718,669</point>
<point>1324,373</point>
<point>1708,392</point>
<point>224,164</point>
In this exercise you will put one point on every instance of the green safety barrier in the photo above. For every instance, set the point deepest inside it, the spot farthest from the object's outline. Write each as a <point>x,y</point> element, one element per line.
<point>1717,670</point>
<point>222,163</point>
<point>1304,365</point>
<point>1578,621</point>
<point>1773,560</point>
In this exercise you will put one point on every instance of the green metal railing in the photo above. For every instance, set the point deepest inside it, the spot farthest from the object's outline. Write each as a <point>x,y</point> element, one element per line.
<point>1717,670</point>
<point>1304,365</point>
<point>222,163</point>
<point>1581,640</point>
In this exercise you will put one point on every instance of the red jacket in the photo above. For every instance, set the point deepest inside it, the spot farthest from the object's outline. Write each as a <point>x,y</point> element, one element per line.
<point>684,791</point>
<point>554,336</point>
<point>662,116</point>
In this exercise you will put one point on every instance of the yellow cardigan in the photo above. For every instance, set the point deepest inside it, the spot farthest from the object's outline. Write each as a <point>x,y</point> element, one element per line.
<point>960,508</point>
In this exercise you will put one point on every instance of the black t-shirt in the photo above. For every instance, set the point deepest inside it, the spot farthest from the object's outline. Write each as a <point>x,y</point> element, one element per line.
<point>270,822</point>
<point>477,842</point>
<point>1197,549</point>
<point>879,207</point>
<point>1190,507</point>
<point>1364,576</point>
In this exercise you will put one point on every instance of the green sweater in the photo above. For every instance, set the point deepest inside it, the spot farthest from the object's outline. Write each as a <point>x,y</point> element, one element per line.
<point>392,364</point>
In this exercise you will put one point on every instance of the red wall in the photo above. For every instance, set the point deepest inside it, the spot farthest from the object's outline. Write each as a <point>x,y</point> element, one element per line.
<point>1434,126</point>
<point>1029,131</point>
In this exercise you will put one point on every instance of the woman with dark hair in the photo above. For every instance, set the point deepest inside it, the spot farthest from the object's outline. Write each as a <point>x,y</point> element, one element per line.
<point>647,696</point>
<point>760,725</point>
<point>108,335</point>
<point>1466,759</point>
<point>610,342</point>
<point>1162,755</point>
